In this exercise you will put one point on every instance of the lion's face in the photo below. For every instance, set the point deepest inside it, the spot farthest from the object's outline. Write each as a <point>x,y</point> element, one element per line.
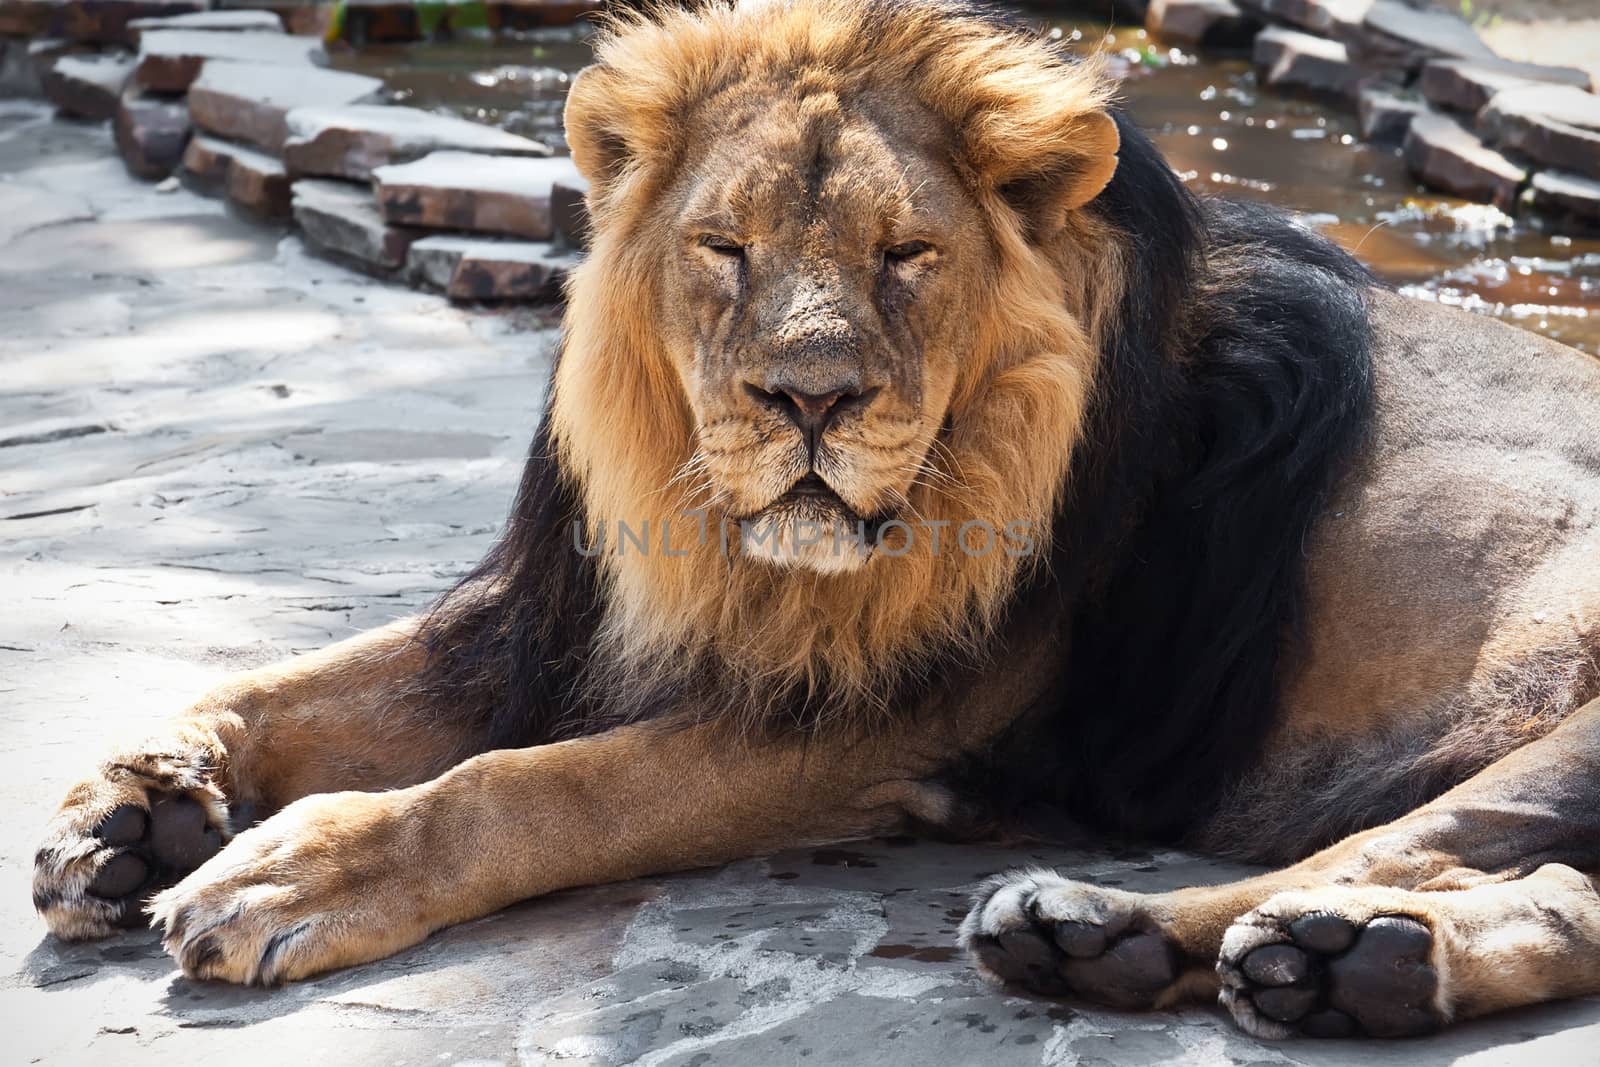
<point>818,263</point>
<point>841,272</point>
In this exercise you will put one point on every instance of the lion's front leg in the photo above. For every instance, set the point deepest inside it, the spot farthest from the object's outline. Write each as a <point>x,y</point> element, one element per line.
<point>331,880</point>
<point>144,819</point>
<point>154,811</point>
<point>346,878</point>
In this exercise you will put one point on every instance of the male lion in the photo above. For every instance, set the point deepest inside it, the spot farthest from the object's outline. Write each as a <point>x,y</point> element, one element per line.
<point>1277,558</point>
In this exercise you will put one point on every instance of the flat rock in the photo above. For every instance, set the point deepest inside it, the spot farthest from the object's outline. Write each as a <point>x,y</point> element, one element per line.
<point>479,268</point>
<point>1385,113</point>
<point>101,21</point>
<point>1207,23</point>
<point>350,142</point>
<point>87,86</point>
<point>251,101</point>
<point>170,60</point>
<point>304,17</point>
<point>569,211</point>
<point>1289,59</point>
<point>211,21</point>
<point>249,178</point>
<point>152,133</point>
<point>465,191</point>
<point>1326,17</point>
<point>1556,193</point>
<point>1400,38</point>
<point>1445,155</point>
<point>341,219</point>
<point>1554,124</point>
<point>1468,84</point>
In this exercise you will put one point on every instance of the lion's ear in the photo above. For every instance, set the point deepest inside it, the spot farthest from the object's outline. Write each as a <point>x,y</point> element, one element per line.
<point>595,130</point>
<point>1046,189</point>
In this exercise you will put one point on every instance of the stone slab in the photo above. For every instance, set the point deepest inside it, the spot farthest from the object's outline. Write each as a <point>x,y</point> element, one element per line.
<point>42,52</point>
<point>101,21</point>
<point>341,219</point>
<point>350,142</point>
<point>151,133</point>
<point>569,211</point>
<point>210,21</point>
<point>1554,124</point>
<point>1329,18</point>
<point>481,268</point>
<point>87,87</point>
<point>465,191</point>
<point>1468,84</point>
<point>310,18</point>
<point>1397,35</point>
<point>1289,59</point>
<point>251,101</point>
<point>250,178</point>
<point>1446,156</point>
<point>170,60</point>
<point>1385,113</point>
<point>1201,23</point>
<point>1556,193</point>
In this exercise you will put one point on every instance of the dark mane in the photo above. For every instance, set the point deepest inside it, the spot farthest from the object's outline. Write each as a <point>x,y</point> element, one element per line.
<point>1235,393</point>
<point>1231,398</point>
<point>508,645</point>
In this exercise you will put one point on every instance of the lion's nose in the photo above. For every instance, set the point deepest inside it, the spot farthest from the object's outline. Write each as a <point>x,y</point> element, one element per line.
<point>811,412</point>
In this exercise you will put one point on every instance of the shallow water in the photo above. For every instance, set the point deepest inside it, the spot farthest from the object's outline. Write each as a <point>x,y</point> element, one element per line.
<point>1225,135</point>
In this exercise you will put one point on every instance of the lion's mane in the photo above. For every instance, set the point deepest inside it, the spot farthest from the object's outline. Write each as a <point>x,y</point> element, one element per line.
<point>1166,391</point>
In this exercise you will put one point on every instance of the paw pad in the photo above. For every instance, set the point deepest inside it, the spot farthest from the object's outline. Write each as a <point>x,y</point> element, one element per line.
<point>1019,933</point>
<point>1333,978</point>
<point>152,849</point>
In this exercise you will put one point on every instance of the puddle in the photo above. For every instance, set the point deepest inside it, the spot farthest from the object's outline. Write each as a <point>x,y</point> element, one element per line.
<point>1219,130</point>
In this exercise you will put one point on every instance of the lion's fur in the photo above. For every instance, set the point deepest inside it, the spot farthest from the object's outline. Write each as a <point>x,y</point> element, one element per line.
<point>1163,389</point>
<point>620,418</point>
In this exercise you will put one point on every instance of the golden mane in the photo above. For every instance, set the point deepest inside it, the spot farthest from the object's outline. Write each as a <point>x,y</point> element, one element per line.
<point>620,418</point>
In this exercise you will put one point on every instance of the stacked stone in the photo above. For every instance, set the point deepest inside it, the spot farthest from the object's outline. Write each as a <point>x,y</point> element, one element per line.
<point>242,109</point>
<point>1518,135</point>
<point>470,210</point>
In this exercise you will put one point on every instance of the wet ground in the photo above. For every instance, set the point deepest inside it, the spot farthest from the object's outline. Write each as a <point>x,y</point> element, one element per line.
<point>1226,136</point>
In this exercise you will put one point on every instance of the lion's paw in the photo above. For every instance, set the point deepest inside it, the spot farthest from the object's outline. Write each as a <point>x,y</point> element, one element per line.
<point>1305,963</point>
<point>143,823</point>
<point>1053,936</point>
<point>322,884</point>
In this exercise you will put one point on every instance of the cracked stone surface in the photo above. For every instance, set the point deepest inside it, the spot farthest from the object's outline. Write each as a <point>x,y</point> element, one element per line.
<point>216,451</point>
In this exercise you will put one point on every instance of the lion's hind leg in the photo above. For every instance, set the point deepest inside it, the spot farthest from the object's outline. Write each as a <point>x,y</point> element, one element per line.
<point>1341,961</point>
<point>1052,936</point>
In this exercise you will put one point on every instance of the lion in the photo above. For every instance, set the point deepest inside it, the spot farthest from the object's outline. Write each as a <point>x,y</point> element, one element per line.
<point>923,456</point>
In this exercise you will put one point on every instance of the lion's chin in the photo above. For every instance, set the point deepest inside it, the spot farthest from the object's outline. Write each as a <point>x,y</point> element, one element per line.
<point>807,536</point>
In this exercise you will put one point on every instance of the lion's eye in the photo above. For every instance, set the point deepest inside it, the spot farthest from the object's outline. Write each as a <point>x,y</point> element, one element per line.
<point>906,251</point>
<point>722,246</point>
